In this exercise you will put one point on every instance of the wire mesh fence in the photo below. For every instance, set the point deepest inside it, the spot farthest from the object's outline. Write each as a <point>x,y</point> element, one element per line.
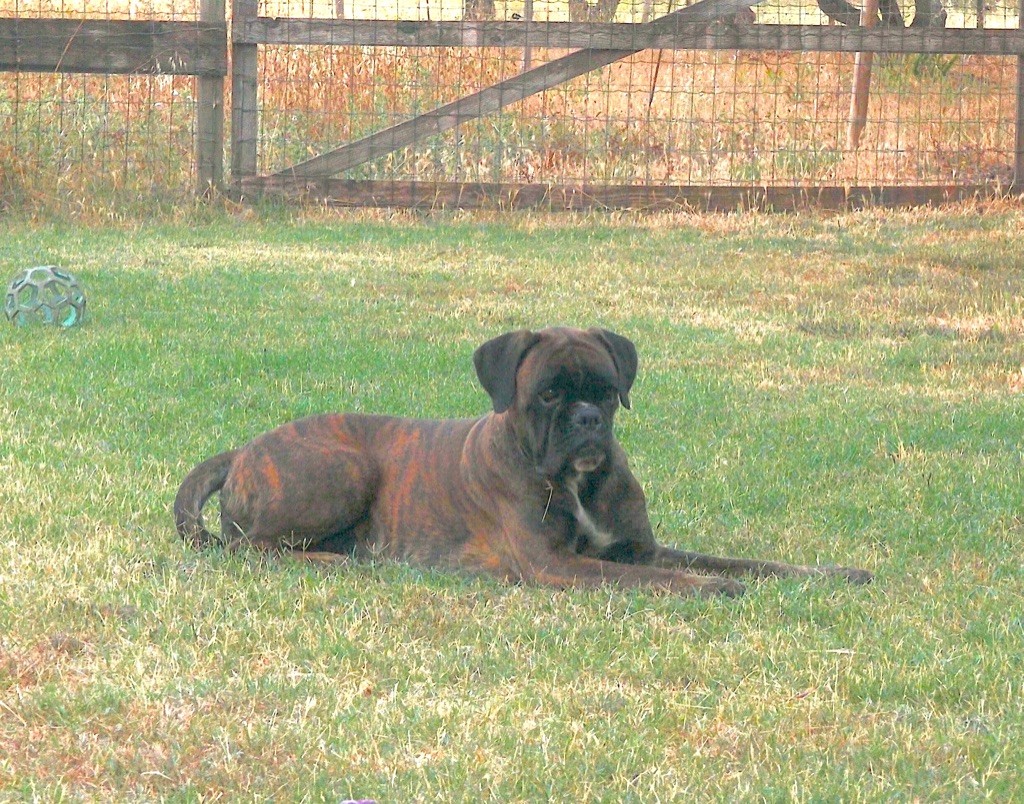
<point>671,117</point>
<point>681,117</point>
<point>96,141</point>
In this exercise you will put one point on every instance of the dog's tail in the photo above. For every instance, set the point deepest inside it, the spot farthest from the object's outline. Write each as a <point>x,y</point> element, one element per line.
<point>198,486</point>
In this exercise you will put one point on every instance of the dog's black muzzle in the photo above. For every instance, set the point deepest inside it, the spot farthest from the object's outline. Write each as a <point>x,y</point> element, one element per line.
<point>589,436</point>
<point>587,420</point>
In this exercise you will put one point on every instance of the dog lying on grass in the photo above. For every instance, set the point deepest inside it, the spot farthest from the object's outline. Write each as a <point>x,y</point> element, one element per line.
<point>537,491</point>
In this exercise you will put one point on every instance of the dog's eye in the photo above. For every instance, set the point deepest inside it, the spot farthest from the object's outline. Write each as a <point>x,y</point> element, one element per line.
<point>550,396</point>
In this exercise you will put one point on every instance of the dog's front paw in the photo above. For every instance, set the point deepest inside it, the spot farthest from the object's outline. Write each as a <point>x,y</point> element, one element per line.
<point>851,574</point>
<point>726,587</point>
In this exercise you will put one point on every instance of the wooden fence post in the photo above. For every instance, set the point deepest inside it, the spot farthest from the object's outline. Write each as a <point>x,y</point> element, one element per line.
<point>1018,160</point>
<point>244,101</point>
<point>861,89</point>
<point>528,19</point>
<point>210,115</point>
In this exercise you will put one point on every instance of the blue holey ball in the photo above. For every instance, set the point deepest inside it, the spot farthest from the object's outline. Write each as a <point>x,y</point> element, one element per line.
<point>47,295</point>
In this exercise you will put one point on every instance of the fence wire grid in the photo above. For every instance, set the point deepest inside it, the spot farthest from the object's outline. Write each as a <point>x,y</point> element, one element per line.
<point>95,141</point>
<point>660,117</point>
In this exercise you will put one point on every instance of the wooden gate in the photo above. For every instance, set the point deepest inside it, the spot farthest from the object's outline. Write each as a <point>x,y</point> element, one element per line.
<point>706,25</point>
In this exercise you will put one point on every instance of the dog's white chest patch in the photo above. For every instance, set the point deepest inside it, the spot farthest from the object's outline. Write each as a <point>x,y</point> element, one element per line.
<point>599,537</point>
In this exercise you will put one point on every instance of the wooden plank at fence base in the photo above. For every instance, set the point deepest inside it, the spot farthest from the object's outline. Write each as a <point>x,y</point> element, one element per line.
<point>116,47</point>
<point>498,196</point>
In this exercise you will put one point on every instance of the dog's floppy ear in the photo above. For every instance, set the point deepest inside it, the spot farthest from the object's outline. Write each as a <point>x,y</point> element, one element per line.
<point>624,356</point>
<point>497,362</point>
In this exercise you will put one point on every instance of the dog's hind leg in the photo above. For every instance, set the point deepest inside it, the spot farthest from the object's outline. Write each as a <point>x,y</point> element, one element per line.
<point>302,488</point>
<point>283,547</point>
<point>319,557</point>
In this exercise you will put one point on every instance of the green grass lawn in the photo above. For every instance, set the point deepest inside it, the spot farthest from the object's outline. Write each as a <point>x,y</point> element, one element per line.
<point>842,389</point>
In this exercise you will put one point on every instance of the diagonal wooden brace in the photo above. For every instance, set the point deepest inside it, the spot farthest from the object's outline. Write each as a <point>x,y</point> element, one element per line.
<point>496,97</point>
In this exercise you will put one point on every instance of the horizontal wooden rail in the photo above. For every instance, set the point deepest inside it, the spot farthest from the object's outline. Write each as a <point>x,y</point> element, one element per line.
<point>113,46</point>
<point>625,36</point>
<point>459,195</point>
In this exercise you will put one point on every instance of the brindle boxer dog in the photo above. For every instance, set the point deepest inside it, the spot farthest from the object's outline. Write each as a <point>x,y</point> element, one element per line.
<point>538,491</point>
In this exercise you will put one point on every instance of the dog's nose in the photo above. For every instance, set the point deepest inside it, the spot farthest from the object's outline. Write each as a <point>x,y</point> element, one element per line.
<point>587,417</point>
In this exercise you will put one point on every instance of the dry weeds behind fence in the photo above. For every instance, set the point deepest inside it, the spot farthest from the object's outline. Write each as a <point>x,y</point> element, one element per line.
<point>662,117</point>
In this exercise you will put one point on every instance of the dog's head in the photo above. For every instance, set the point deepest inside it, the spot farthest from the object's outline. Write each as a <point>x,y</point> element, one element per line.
<point>561,387</point>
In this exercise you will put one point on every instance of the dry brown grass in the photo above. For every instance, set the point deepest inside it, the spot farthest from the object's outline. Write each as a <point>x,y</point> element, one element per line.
<point>666,117</point>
